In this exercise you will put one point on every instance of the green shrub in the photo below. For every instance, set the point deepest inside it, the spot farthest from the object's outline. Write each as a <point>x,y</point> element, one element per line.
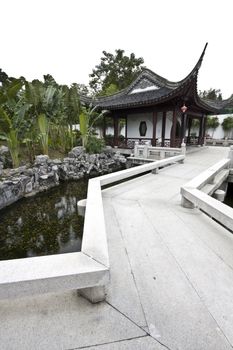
<point>94,144</point>
<point>109,139</point>
<point>227,125</point>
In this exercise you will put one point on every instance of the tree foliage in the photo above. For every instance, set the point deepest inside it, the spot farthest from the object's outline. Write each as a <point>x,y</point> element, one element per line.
<point>37,114</point>
<point>115,72</point>
<point>227,125</point>
<point>211,94</point>
<point>212,123</point>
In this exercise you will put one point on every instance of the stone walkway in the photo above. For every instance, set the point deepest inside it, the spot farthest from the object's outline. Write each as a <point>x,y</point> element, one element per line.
<point>171,277</point>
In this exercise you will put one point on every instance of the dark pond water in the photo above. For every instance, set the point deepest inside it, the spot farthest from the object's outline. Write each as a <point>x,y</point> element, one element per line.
<point>47,223</point>
<point>229,197</point>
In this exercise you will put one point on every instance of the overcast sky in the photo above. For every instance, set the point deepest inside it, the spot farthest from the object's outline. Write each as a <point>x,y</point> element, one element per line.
<point>66,38</point>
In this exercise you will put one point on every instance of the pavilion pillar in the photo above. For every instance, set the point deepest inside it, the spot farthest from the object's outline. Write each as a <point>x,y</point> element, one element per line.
<point>183,127</point>
<point>201,129</point>
<point>204,129</point>
<point>163,128</point>
<point>154,128</point>
<point>116,123</point>
<point>173,133</point>
<point>189,128</point>
<point>126,128</point>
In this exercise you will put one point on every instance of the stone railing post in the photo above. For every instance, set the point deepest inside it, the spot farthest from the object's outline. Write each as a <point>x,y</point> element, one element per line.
<point>136,143</point>
<point>145,150</point>
<point>186,203</point>
<point>162,154</point>
<point>183,148</point>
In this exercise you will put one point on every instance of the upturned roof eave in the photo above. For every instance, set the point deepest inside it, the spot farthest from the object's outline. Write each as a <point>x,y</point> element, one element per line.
<point>157,79</point>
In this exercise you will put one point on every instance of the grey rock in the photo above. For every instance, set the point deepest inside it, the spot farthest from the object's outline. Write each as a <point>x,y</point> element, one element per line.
<point>46,173</point>
<point>28,187</point>
<point>41,159</point>
<point>44,177</point>
<point>67,160</point>
<point>29,172</point>
<point>56,161</point>
<point>22,169</point>
<point>54,168</point>
<point>4,149</point>
<point>76,152</point>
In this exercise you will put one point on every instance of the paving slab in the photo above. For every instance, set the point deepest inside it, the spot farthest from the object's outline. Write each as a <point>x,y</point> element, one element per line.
<point>142,343</point>
<point>61,321</point>
<point>209,274</point>
<point>174,312</point>
<point>122,291</point>
<point>214,236</point>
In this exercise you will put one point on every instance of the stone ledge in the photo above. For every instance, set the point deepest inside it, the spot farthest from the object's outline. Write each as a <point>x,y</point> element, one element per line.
<point>51,273</point>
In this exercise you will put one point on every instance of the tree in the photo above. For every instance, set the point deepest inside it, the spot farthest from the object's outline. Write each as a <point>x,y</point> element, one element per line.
<point>3,77</point>
<point>82,89</point>
<point>227,125</point>
<point>212,123</point>
<point>115,72</point>
<point>211,94</point>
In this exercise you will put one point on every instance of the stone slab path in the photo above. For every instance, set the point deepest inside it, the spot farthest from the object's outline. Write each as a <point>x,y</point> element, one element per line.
<point>171,277</point>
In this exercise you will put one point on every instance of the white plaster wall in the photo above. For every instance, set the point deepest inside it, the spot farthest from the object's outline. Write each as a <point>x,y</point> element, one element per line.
<point>219,132</point>
<point>109,130</point>
<point>133,122</point>
<point>169,116</point>
<point>159,125</point>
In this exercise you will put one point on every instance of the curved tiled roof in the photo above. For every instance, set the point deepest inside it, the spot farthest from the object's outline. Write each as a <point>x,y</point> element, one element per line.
<point>150,88</point>
<point>219,105</point>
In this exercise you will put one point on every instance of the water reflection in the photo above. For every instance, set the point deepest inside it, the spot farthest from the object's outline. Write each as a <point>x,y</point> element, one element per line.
<point>45,224</point>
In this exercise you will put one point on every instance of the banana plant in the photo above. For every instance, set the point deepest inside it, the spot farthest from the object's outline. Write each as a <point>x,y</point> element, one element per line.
<point>12,113</point>
<point>11,136</point>
<point>72,106</point>
<point>43,124</point>
<point>87,119</point>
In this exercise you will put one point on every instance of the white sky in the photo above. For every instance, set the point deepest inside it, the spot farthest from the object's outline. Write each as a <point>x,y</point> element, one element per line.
<point>66,38</point>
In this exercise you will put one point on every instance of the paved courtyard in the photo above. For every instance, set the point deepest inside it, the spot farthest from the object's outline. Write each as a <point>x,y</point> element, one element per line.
<point>171,277</point>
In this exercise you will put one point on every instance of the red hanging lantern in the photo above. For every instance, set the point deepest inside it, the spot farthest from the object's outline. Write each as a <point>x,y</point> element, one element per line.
<point>183,108</point>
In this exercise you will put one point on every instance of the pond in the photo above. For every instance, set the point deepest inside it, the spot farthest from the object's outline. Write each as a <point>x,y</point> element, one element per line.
<point>45,224</point>
<point>229,196</point>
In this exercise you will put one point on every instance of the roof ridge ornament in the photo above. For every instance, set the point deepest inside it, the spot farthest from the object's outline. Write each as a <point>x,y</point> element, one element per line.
<point>198,65</point>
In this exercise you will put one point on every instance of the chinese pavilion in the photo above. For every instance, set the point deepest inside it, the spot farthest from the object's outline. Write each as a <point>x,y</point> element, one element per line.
<point>155,109</point>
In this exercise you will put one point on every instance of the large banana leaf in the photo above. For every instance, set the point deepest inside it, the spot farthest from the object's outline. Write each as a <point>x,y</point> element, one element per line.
<point>5,121</point>
<point>84,127</point>
<point>74,99</point>
<point>14,88</point>
<point>49,94</point>
<point>33,92</point>
<point>12,141</point>
<point>44,132</point>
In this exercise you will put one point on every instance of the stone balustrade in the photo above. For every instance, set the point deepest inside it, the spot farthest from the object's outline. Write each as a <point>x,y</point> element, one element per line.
<point>149,152</point>
<point>197,192</point>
